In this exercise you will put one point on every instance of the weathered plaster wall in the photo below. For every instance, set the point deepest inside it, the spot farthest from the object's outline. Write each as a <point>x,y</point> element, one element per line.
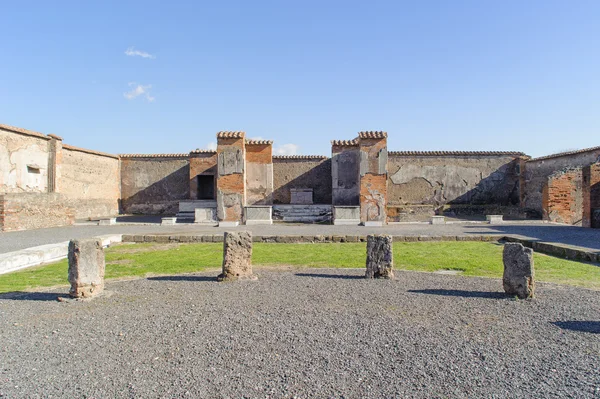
<point>373,176</point>
<point>345,162</point>
<point>154,185</point>
<point>259,174</point>
<point>438,180</point>
<point>25,211</point>
<point>231,176</point>
<point>201,163</point>
<point>91,181</point>
<point>301,172</point>
<point>562,197</point>
<point>538,170</point>
<point>23,163</point>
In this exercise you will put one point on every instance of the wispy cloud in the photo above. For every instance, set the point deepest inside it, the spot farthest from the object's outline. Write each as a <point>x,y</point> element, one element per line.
<point>139,90</point>
<point>212,146</point>
<point>286,149</point>
<point>132,52</point>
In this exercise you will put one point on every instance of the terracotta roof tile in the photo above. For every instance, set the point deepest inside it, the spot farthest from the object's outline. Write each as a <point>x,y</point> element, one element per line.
<point>455,153</point>
<point>372,135</point>
<point>344,142</point>
<point>202,151</point>
<point>54,136</point>
<point>153,155</point>
<point>562,154</point>
<point>300,157</point>
<point>259,142</point>
<point>230,135</point>
<point>103,154</point>
<point>24,131</point>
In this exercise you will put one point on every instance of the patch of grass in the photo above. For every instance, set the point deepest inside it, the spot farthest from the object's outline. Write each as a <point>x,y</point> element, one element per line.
<point>471,258</point>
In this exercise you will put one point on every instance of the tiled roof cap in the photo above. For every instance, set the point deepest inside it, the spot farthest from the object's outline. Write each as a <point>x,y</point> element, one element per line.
<point>54,136</point>
<point>562,154</point>
<point>372,135</point>
<point>230,135</point>
<point>300,157</point>
<point>259,142</point>
<point>153,155</point>
<point>344,142</point>
<point>24,131</point>
<point>202,151</point>
<point>455,153</point>
<point>102,154</point>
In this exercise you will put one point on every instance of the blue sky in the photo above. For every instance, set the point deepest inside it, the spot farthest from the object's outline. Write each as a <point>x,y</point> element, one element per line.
<point>436,75</point>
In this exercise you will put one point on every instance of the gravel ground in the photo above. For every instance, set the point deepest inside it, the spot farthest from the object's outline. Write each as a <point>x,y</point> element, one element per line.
<point>572,235</point>
<point>302,333</point>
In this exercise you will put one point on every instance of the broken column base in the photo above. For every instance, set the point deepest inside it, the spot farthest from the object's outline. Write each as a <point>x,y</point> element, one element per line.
<point>518,277</point>
<point>237,257</point>
<point>223,223</point>
<point>380,257</point>
<point>86,268</point>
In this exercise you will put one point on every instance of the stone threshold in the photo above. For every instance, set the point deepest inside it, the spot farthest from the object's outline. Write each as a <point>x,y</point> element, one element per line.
<point>554,249</point>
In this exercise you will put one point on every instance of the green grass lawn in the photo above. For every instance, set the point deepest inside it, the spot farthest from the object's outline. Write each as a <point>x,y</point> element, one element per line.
<point>470,258</point>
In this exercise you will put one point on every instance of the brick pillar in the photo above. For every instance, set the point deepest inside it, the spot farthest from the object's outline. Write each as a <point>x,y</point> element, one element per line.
<point>54,163</point>
<point>345,177</point>
<point>202,163</point>
<point>591,196</point>
<point>373,178</point>
<point>231,177</point>
<point>522,165</point>
<point>259,172</point>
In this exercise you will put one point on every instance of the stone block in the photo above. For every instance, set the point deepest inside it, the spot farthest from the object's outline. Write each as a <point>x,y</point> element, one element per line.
<point>374,223</point>
<point>438,220</point>
<point>107,222</point>
<point>205,215</point>
<point>494,219</point>
<point>302,196</point>
<point>86,268</point>
<point>380,259</point>
<point>346,215</point>
<point>237,256</point>
<point>258,214</point>
<point>168,221</point>
<point>224,223</point>
<point>518,276</point>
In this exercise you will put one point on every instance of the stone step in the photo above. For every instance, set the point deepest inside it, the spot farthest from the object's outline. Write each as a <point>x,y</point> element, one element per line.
<point>306,219</point>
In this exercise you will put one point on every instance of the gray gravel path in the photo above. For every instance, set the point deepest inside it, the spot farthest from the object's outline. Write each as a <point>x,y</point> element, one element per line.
<point>303,333</point>
<point>572,235</point>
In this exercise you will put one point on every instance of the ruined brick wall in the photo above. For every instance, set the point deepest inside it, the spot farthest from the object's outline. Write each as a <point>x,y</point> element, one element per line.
<point>154,184</point>
<point>345,160</point>
<point>562,197</point>
<point>259,172</point>
<point>90,181</point>
<point>373,176</point>
<point>591,196</point>
<point>538,170</point>
<point>25,211</point>
<point>23,161</point>
<point>301,172</point>
<point>231,176</point>
<point>202,163</point>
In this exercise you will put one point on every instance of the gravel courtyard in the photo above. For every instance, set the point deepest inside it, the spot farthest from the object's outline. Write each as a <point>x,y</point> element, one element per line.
<point>302,333</point>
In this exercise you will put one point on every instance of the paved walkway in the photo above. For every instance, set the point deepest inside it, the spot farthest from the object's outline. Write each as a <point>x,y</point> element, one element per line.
<point>571,235</point>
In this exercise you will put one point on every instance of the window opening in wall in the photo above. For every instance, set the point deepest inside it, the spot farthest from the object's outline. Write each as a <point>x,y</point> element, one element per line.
<point>518,169</point>
<point>33,169</point>
<point>206,187</point>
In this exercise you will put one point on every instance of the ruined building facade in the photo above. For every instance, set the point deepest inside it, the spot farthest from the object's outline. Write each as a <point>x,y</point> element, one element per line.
<point>45,182</point>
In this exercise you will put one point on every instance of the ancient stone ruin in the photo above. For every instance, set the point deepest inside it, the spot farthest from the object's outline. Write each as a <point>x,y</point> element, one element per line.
<point>380,257</point>
<point>86,268</point>
<point>518,276</point>
<point>237,257</point>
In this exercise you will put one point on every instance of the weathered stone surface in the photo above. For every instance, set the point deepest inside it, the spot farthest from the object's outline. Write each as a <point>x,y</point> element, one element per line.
<point>86,268</point>
<point>237,256</point>
<point>518,276</point>
<point>380,260</point>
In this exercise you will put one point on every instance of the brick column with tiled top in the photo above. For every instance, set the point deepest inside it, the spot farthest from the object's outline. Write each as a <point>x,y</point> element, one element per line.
<point>259,172</point>
<point>591,196</point>
<point>231,177</point>
<point>345,178</point>
<point>55,155</point>
<point>373,177</point>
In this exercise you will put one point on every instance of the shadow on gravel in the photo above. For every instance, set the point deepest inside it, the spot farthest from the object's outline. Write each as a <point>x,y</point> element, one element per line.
<point>464,294</point>
<point>324,275</point>
<point>183,278</point>
<point>33,296</point>
<point>582,326</point>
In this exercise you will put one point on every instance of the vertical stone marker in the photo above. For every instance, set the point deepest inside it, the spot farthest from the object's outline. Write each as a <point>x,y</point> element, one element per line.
<point>380,259</point>
<point>86,268</point>
<point>237,256</point>
<point>518,270</point>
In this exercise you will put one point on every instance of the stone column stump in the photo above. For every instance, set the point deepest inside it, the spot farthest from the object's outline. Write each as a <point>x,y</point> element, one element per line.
<point>518,270</point>
<point>86,268</point>
<point>237,257</point>
<point>380,259</point>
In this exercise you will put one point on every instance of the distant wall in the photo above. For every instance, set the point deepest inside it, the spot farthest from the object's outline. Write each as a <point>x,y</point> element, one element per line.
<point>91,180</point>
<point>562,197</point>
<point>259,174</point>
<point>538,170</point>
<point>25,211</point>
<point>154,184</point>
<point>301,172</point>
<point>23,162</point>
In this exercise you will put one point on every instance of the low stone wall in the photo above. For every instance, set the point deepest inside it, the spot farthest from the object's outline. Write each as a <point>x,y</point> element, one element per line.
<point>26,211</point>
